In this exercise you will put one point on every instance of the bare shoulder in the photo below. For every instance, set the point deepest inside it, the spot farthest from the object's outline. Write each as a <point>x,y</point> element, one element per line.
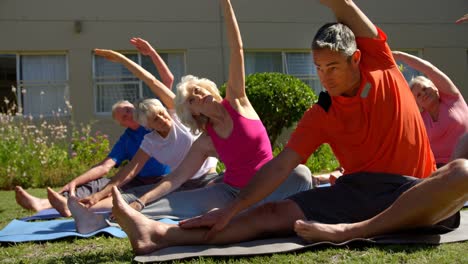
<point>204,145</point>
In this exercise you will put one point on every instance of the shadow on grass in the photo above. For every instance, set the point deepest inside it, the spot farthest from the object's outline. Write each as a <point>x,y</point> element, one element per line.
<point>96,257</point>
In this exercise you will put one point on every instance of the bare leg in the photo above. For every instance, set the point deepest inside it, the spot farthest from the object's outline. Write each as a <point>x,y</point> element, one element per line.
<point>86,221</point>
<point>105,205</point>
<point>147,235</point>
<point>58,202</point>
<point>443,194</point>
<point>30,202</point>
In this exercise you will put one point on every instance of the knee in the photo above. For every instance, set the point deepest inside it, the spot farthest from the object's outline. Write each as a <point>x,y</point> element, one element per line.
<point>457,172</point>
<point>302,175</point>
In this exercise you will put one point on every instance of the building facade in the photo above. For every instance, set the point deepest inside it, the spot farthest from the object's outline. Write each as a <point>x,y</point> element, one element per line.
<point>46,48</point>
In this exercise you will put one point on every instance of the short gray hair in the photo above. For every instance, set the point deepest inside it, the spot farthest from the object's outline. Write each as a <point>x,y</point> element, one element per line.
<point>419,80</point>
<point>117,104</point>
<point>336,37</point>
<point>187,83</point>
<point>147,108</point>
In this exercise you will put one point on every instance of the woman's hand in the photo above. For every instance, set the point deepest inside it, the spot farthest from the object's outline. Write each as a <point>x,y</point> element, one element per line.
<point>216,220</point>
<point>109,55</point>
<point>142,46</point>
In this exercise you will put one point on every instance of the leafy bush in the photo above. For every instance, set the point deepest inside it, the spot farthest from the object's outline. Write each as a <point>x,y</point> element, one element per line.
<point>279,99</point>
<point>36,152</point>
<point>322,160</point>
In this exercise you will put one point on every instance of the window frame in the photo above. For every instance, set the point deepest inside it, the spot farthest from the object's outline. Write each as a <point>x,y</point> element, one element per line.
<point>20,82</point>
<point>136,81</point>
<point>283,53</point>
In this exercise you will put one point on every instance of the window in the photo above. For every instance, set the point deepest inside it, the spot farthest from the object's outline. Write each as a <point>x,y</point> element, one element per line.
<point>296,63</point>
<point>407,71</point>
<point>113,82</point>
<point>36,84</point>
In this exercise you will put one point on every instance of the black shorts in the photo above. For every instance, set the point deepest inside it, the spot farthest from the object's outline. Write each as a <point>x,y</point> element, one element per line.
<point>357,197</point>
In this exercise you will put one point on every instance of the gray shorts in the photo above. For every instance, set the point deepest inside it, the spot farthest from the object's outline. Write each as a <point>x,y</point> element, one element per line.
<point>357,197</point>
<point>183,204</point>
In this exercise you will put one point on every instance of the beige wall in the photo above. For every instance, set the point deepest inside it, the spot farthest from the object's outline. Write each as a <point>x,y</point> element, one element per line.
<point>195,27</point>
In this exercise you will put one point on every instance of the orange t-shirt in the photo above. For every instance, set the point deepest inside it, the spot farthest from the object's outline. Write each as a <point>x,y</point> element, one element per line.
<point>378,130</point>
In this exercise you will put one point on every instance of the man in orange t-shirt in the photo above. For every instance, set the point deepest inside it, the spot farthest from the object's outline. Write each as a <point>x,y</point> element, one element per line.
<point>363,122</point>
<point>370,119</point>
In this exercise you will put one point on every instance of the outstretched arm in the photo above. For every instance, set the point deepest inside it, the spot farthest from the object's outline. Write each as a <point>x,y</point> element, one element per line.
<point>462,19</point>
<point>440,79</point>
<point>96,172</point>
<point>236,84</point>
<point>267,179</point>
<point>201,149</point>
<point>145,48</point>
<point>348,13</point>
<point>161,90</point>
<point>124,175</point>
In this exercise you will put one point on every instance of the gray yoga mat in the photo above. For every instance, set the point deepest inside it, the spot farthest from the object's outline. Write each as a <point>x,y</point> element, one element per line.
<point>277,245</point>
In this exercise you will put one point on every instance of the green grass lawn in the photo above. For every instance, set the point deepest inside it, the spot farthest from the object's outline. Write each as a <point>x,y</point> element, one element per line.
<point>102,249</point>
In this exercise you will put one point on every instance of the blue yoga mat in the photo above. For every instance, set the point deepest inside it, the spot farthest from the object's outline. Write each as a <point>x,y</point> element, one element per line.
<point>21,231</point>
<point>48,214</point>
<point>43,215</point>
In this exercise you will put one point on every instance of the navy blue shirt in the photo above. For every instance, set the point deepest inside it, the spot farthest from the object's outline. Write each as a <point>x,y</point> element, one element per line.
<point>128,145</point>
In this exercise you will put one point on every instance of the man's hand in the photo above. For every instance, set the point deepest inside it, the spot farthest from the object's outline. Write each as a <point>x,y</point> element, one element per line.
<point>142,46</point>
<point>90,200</point>
<point>137,206</point>
<point>69,187</point>
<point>216,220</point>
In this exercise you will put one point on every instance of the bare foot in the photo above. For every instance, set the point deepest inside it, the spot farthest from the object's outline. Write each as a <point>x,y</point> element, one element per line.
<point>30,202</point>
<point>317,232</point>
<point>58,202</point>
<point>85,221</point>
<point>145,234</point>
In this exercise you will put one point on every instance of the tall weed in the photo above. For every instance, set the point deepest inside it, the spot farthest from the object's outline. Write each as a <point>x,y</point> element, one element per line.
<point>46,151</point>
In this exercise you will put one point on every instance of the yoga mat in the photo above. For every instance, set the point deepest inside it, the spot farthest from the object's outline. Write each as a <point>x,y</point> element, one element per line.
<point>278,245</point>
<point>48,214</point>
<point>21,231</point>
<point>43,215</point>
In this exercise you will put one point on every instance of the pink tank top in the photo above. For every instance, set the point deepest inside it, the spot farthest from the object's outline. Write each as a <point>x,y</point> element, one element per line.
<point>244,151</point>
<point>451,125</point>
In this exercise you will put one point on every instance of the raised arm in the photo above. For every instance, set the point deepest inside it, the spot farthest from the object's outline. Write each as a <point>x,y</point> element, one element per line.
<point>440,79</point>
<point>348,13</point>
<point>158,88</point>
<point>145,48</point>
<point>236,82</point>
<point>462,19</point>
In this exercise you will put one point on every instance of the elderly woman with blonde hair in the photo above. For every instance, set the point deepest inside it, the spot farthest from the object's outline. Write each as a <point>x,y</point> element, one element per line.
<point>443,109</point>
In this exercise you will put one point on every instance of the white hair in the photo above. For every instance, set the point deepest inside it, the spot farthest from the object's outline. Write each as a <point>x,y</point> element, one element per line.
<point>184,89</point>
<point>117,105</point>
<point>147,108</point>
<point>420,80</point>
